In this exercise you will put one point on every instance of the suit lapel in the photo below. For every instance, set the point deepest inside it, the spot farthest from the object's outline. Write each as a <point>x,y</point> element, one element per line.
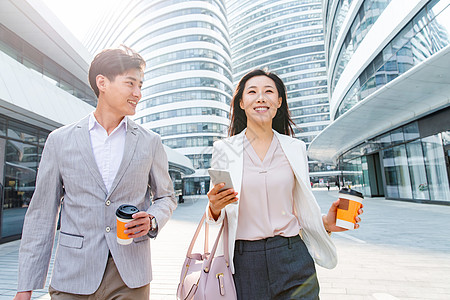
<point>128,152</point>
<point>85,147</point>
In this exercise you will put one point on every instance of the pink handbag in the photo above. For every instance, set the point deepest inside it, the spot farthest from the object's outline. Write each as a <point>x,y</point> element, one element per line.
<point>204,276</point>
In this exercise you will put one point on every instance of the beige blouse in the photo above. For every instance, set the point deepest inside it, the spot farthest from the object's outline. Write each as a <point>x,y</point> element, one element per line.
<point>266,206</point>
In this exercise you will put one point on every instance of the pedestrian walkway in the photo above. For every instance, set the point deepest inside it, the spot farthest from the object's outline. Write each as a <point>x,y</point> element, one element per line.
<point>401,251</point>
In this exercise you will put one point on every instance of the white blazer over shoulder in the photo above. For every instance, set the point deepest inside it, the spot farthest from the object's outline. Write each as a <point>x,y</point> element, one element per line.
<point>228,155</point>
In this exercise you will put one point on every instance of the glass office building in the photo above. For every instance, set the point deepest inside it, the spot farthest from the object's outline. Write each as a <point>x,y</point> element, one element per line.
<point>188,82</point>
<point>389,84</point>
<point>285,37</point>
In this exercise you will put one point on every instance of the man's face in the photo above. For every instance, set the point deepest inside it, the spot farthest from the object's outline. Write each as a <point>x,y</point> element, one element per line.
<point>121,95</point>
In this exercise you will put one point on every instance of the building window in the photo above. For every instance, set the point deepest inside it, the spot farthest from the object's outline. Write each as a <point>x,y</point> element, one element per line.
<point>419,182</point>
<point>435,166</point>
<point>20,153</point>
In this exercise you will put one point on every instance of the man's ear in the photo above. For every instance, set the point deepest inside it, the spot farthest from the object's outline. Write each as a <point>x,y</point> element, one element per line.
<point>101,82</point>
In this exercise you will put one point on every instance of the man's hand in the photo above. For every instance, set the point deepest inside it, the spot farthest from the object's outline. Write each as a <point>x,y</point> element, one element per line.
<point>140,226</point>
<point>23,295</point>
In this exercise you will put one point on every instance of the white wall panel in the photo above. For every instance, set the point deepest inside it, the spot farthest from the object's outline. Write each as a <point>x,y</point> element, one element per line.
<point>30,95</point>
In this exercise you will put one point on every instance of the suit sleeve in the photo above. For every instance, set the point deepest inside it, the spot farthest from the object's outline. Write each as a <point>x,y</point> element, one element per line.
<point>40,221</point>
<point>164,202</point>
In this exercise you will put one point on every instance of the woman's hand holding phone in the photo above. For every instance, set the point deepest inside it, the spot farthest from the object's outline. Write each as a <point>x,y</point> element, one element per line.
<point>218,200</point>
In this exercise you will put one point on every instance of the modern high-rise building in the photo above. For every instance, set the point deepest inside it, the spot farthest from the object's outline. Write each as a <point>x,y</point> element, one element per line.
<point>188,83</point>
<point>389,89</point>
<point>287,38</point>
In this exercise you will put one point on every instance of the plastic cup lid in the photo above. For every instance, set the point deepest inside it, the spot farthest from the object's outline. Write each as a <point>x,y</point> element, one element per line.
<point>125,211</point>
<point>351,192</point>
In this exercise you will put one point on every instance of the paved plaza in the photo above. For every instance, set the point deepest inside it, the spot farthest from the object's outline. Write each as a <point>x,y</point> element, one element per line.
<point>401,251</point>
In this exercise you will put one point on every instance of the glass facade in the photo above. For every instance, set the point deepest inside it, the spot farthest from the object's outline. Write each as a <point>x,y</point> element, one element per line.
<point>184,96</point>
<point>201,161</point>
<point>417,170</point>
<point>367,15</point>
<point>190,111</point>
<point>124,19</point>
<point>196,185</point>
<point>191,128</point>
<point>190,54</point>
<point>185,83</point>
<point>186,47</point>
<point>413,167</point>
<point>354,174</point>
<point>201,65</point>
<point>196,141</point>
<point>423,36</point>
<point>287,38</point>
<point>21,147</point>
<point>435,168</point>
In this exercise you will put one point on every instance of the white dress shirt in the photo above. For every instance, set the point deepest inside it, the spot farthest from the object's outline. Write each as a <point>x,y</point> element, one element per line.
<point>108,150</point>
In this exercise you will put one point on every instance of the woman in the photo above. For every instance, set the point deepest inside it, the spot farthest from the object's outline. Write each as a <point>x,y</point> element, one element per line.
<point>269,170</point>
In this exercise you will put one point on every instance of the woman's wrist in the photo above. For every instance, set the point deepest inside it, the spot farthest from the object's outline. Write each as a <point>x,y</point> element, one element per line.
<point>214,213</point>
<point>325,224</point>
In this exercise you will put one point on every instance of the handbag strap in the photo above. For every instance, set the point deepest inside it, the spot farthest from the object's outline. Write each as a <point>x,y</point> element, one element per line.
<point>199,227</point>
<point>224,229</point>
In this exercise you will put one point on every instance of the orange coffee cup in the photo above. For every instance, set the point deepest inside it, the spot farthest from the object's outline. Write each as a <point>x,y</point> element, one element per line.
<point>349,204</point>
<point>124,214</point>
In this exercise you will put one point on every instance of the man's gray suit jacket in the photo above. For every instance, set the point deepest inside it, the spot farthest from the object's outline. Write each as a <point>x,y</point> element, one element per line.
<point>68,171</point>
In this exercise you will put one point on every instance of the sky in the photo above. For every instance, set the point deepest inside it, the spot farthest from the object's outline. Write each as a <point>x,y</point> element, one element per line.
<point>77,15</point>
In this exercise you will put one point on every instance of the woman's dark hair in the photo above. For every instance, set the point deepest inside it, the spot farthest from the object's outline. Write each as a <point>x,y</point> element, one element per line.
<point>113,62</point>
<point>282,121</point>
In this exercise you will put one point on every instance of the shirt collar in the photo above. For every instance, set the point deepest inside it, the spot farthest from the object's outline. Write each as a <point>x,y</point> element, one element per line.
<point>93,121</point>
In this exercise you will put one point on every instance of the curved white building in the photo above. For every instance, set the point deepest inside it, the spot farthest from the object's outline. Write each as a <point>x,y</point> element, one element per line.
<point>287,38</point>
<point>188,84</point>
<point>389,89</point>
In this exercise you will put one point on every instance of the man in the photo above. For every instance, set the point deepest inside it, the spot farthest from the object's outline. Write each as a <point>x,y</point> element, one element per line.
<point>95,165</point>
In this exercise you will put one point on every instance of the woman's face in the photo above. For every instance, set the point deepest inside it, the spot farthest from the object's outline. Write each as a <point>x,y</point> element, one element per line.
<point>260,100</point>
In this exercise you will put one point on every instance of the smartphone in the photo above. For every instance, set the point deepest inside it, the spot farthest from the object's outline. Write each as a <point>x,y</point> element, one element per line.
<point>219,176</point>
